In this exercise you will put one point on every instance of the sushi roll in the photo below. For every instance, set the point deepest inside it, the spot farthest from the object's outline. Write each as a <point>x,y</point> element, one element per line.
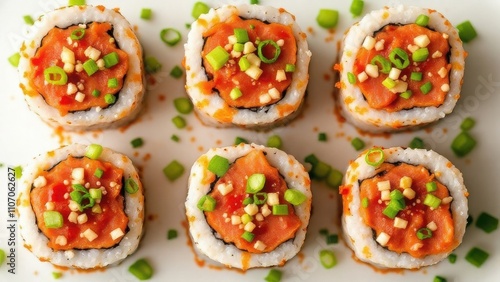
<point>81,69</point>
<point>401,67</point>
<point>248,206</point>
<point>81,207</point>
<point>246,66</point>
<point>403,208</point>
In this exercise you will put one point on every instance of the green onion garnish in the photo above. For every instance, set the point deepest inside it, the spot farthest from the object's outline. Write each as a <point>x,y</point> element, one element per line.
<point>396,195</point>
<point>244,63</point>
<point>452,258</point>
<point>53,219</point>
<point>146,13</point>
<point>383,64</point>
<point>255,183</point>
<point>171,234</point>
<point>96,93</point>
<point>2,256</point>
<point>259,198</point>
<point>438,278</point>
<point>183,105</point>
<point>389,83</point>
<point>392,209</point>
<point>332,239</point>
<point>431,186</point>
<point>327,18</point>
<point>137,142</point>
<point>179,122</point>
<point>356,8</point>
<point>422,20</point>
<point>248,236</point>
<point>289,68</point>
<point>260,51</point>
<point>424,233</point>
<point>351,78</point>
<point>175,138</point>
<point>463,144</point>
<point>173,170</point>
<point>420,55</point>
<point>327,259</point>
<point>98,172</point>
<point>432,201</point>
<point>76,2</point>
<point>90,67</point>
<point>55,75</point>
<point>254,2</point>
<point>235,93</point>
<point>246,218</point>
<point>358,144</point>
<point>274,275</point>
<point>376,153</point>
<point>141,269</point>
<point>239,140</point>
<point>18,171</point>
<point>487,222</point>
<point>416,143</point>
<point>28,20</point>
<point>77,34</point>
<point>399,58</point>
<point>109,98</point>
<point>241,35</point>
<point>466,31</point>
<point>467,124</point>
<point>93,151</point>
<point>14,59</point>
<point>176,72</point>
<point>320,170</point>
<point>416,76</point>
<point>95,193</point>
<point>334,178</point>
<point>151,64</point>
<point>218,57</point>
<point>312,159</point>
<point>477,256</point>
<point>206,203</point>
<point>322,137</point>
<point>364,202</point>
<point>247,201</point>
<point>406,95</point>
<point>110,59</point>
<point>113,82</point>
<point>274,141</point>
<point>280,210</point>
<point>170,36</point>
<point>238,47</point>
<point>426,87</point>
<point>218,165</point>
<point>294,197</point>
<point>131,186</point>
<point>56,275</point>
<point>199,8</point>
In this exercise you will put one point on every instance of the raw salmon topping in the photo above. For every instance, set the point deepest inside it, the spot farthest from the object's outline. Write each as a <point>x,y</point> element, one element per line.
<point>79,67</point>
<point>249,206</point>
<point>403,66</point>
<point>409,210</point>
<point>250,62</point>
<point>79,205</point>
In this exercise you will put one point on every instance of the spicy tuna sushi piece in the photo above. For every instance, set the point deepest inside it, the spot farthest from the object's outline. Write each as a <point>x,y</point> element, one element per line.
<point>81,206</point>
<point>403,208</point>
<point>248,205</point>
<point>82,69</point>
<point>246,66</point>
<point>401,67</point>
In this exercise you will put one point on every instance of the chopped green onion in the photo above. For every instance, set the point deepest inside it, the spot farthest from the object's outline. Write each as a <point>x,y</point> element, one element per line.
<point>487,222</point>
<point>322,137</point>
<point>79,187</point>
<point>364,202</point>
<point>416,143</point>
<point>53,219</point>
<point>91,202</point>
<point>432,201</point>
<point>399,58</point>
<point>406,95</point>
<point>98,172</point>
<point>431,186</point>
<point>206,203</point>
<point>113,82</point>
<point>109,99</point>
<point>111,59</point>
<point>289,68</point>
<point>327,258</point>
<point>173,170</point>
<point>235,93</point>
<point>327,18</point>
<point>373,153</point>
<point>467,124</point>
<point>146,13</point>
<point>151,64</point>
<point>334,178</point>
<point>176,72</point>
<point>255,183</point>
<point>248,236</point>
<point>358,144</point>
<point>76,196</point>
<point>391,211</point>
<point>18,171</point>
<point>141,269</point>
<point>131,186</point>
<point>332,239</point>
<point>246,218</point>
<point>175,138</point>
<point>439,279</point>
<point>466,31</point>
<point>14,59</point>
<point>294,197</point>
<point>274,275</point>
<point>244,63</point>
<point>55,75</point>
<point>171,234</point>
<point>416,76</point>
<point>241,35</point>
<point>137,142</point>
<point>424,233</point>
<point>183,105</point>
<point>320,170</point>
<point>238,47</point>
<point>199,8</point>
<point>422,20</point>
<point>95,193</point>
<point>96,93</point>
<point>274,141</point>
<point>239,140</point>
<point>463,144</point>
<point>420,55</point>
<point>477,256</point>
<point>280,210</point>
<point>260,198</point>
<point>170,36</point>
<point>312,159</point>
<point>356,8</point>
<point>260,51</point>
<point>218,165</point>
<point>383,64</point>
<point>2,256</point>
<point>56,275</point>
<point>218,57</point>
<point>396,195</point>
<point>77,34</point>
<point>323,232</point>
<point>90,67</point>
<point>254,2</point>
<point>452,258</point>
<point>247,201</point>
<point>389,83</point>
<point>76,2</point>
<point>93,151</point>
<point>351,78</point>
<point>179,122</point>
<point>28,20</point>
<point>426,87</point>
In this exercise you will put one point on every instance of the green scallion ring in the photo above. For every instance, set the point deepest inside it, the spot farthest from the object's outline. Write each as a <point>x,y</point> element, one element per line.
<point>383,64</point>
<point>374,151</point>
<point>77,34</point>
<point>399,58</point>
<point>131,186</point>
<point>263,58</point>
<point>170,36</point>
<point>55,75</point>
<point>424,233</point>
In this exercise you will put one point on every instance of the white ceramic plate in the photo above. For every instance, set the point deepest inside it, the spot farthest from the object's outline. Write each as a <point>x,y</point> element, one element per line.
<point>24,136</point>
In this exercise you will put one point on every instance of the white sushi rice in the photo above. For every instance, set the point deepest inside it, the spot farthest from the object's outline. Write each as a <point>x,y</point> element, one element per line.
<point>130,97</point>
<point>263,118</point>
<point>36,241</point>
<point>359,236</point>
<point>352,102</point>
<point>205,238</point>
